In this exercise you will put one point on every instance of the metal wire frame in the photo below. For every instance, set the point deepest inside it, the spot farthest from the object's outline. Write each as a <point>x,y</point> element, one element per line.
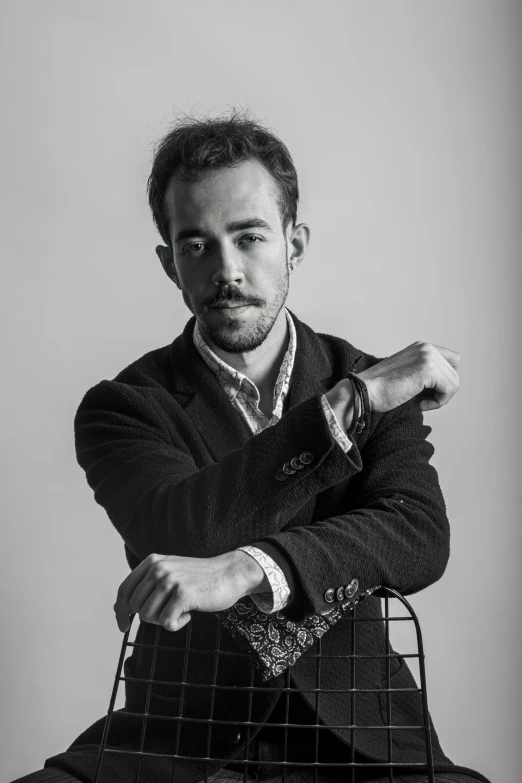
<point>427,767</point>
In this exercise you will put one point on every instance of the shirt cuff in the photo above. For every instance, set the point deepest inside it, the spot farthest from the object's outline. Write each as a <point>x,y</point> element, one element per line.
<point>280,595</point>
<point>335,428</point>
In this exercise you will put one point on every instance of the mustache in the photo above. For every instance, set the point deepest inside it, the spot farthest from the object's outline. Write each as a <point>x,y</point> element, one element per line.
<point>228,293</point>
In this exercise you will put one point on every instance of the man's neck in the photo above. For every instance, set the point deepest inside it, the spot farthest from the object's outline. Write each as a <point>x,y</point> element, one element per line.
<point>261,365</point>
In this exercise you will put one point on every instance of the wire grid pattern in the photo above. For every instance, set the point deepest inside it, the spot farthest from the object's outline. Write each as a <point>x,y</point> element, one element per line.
<point>386,768</point>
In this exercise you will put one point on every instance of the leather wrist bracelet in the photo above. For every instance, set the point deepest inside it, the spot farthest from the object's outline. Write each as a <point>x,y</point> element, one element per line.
<point>365,416</point>
<point>363,419</point>
<point>357,408</point>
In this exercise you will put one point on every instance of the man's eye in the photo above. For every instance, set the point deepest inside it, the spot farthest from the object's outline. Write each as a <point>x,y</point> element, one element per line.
<point>251,236</point>
<point>193,247</point>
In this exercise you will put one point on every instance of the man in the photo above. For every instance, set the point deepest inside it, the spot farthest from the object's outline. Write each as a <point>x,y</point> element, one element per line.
<point>250,474</point>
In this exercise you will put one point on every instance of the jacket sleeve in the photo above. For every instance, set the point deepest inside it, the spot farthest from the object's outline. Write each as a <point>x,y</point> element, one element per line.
<point>395,534</point>
<point>144,475</point>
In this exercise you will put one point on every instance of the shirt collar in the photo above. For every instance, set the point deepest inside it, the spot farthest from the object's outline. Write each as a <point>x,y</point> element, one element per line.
<point>233,381</point>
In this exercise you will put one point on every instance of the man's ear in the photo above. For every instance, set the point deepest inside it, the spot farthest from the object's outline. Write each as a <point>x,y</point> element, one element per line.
<point>298,243</point>
<point>164,254</point>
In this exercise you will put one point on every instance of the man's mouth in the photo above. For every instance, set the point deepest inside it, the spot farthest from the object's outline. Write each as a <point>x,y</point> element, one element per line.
<point>230,305</point>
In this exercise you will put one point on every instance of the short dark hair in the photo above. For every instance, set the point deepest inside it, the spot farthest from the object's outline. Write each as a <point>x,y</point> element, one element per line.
<point>195,146</point>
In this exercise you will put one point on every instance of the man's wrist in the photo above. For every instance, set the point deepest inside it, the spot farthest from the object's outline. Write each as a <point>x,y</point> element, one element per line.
<point>249,573</point>
<point>341,399</point>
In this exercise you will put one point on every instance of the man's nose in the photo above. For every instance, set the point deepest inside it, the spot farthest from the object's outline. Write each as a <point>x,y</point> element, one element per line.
<point>228,268</point>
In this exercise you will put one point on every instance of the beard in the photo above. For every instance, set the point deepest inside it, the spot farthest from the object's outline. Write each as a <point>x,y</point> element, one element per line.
<point>233,334</point>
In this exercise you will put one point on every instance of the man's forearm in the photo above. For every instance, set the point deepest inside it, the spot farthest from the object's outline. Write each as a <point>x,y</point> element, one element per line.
<point>156,495</point>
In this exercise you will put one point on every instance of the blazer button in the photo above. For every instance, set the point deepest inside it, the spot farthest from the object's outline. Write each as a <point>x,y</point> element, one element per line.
<point>288,469</point>
<point>296,463</point>
<point>281,475</point>
<point>329,595</point>
<point>306,457</point>
<point>340,593</point>
<point>234,738</point>
<point>351,589</point>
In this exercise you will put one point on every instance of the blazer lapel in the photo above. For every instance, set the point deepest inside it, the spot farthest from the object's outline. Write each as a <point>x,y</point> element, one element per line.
<point>221,426</point>
<point>312,370</point>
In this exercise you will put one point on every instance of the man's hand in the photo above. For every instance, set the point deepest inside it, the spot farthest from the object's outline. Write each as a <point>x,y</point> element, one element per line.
<point>422,370</point>
<point>164,589</point>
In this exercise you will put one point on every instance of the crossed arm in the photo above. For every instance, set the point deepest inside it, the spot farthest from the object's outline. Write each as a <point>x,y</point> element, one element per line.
<point>393,528</point>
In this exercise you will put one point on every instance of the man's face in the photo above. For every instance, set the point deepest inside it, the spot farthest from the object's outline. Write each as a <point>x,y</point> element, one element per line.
<point>229,253</point>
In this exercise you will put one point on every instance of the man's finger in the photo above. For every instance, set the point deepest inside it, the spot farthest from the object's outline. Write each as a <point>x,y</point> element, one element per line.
<point>438,396</point>
<point>127,587</point>
<point>452,357</point>
<point>147,590</point>
<point>173,617</point>
<point>429,405</point>
<point>177,625</point>
<point>152,601</point>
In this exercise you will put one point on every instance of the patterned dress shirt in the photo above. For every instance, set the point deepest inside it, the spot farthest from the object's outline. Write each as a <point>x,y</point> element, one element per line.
<point>244,396</point>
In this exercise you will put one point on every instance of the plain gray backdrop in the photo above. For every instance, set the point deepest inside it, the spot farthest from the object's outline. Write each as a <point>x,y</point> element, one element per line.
<point>404,121</point>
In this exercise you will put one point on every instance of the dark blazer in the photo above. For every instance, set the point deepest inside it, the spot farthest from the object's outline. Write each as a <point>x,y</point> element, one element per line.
<point>178,472</point>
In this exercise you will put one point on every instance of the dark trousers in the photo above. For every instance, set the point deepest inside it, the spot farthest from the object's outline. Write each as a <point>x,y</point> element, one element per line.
<point>267,748</point>
<point>53,775</point>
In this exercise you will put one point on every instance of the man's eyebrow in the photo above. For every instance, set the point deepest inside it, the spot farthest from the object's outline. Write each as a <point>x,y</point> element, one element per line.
<point>236,225</point>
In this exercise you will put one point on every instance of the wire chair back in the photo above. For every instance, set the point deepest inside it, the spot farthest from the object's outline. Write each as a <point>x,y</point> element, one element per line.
<point>206,759</point>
